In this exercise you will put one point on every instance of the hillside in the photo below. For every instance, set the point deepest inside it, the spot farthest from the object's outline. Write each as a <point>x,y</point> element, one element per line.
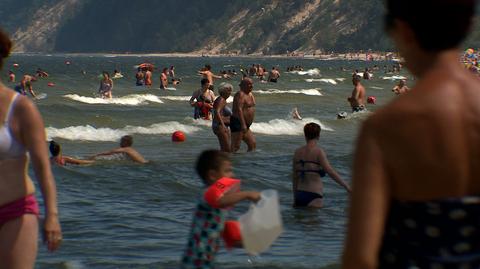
<point>209,26</point>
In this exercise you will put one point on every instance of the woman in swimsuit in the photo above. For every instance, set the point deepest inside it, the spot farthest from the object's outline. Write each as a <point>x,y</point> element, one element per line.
<point>416,172</point>
<point>59,159</point>
<point>106,86</point>
<point>221,117</point>
<point>310,165</point>
<point>21,132</point>
<point>202,100</point>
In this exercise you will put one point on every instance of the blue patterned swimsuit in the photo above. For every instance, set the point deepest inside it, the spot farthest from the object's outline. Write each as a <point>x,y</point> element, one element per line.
<point>204,239</point>
<point>440,234</point>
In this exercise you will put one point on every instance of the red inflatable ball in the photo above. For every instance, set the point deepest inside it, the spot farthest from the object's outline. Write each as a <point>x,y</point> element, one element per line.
<point>178,136</point>
<point>51,84</point>
<point>372,100</point>
<point>16,65</point>
<point>231,234</point>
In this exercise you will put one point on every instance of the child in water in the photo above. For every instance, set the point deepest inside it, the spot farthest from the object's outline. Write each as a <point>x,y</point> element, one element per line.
<point>222,192</point>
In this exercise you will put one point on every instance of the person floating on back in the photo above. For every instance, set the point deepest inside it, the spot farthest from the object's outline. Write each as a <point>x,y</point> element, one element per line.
<point>59,159</point>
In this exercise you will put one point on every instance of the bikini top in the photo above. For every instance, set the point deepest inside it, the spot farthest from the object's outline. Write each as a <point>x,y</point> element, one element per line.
<point>10,148</point>
<point>302,172</point>
<point>421,234</point>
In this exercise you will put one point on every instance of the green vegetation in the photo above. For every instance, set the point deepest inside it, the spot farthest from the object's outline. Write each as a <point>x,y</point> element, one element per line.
<point>262,26</point>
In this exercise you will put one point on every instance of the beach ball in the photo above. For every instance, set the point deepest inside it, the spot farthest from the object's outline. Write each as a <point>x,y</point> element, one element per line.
<point>51,84</point>
<point>16,65</point>
<point>372,100</point>
<point>178,136</point>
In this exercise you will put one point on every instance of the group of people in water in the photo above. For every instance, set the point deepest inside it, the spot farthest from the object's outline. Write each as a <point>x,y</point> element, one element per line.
<point>415,196</point>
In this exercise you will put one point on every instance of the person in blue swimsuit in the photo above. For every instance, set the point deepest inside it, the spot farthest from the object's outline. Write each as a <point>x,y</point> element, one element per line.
<point>416,172</point>
<point>221,116</point>
<point>310,165</point>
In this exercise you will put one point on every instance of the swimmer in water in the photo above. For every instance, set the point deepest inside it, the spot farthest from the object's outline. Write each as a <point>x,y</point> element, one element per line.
<point>126,149</point>
<point>59,159</point>
<point>296,115</point>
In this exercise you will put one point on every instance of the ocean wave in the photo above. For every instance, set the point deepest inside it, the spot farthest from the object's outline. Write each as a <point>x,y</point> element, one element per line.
<point>315,92</point>
<point>90,133</point>
<point>285,127</point>
<point>325,80</point>
<point>186,98</point>
<point>394,78</point>
<point>128,100</point>
<point>309,72</point>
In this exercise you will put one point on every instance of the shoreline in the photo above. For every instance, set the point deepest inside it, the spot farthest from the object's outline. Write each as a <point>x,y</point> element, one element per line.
<point>353,56</point>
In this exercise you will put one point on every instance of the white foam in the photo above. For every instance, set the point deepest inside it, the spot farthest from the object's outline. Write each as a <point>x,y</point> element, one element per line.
<point>394,78</point>
<point>309,72</point>
<point>340,79</point>
<point>128,100</point>
<point>314,92</point>
<point>187,98</point>
<point>325,80</point>
<point>377,88</point>
<point>90,133</point>
<point>284,127</point>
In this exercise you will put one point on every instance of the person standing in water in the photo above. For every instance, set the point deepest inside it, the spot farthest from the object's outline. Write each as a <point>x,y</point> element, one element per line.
<point>416,172</point>
<point>22,140</point>
<point>310,165</point>
<point>221,116</point>
<point>148,78</point>
<point>401,88</point>
<point>11,76</point>
<point>26,84</point>
<point>164,79</point>
<point>140,77</point>
<point>357,99</point>
<point>242,116</point>
<point>106,86</point>
<point>202,100</point>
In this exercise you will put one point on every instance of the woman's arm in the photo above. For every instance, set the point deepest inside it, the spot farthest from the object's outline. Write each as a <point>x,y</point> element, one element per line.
<point>77,161</point>
<point>218,106</point>
<point>32,135</point>
<point>369,203</point>
<point>329,169</point>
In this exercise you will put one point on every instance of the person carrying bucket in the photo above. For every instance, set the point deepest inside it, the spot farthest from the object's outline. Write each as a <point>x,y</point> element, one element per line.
<point>222,192</point>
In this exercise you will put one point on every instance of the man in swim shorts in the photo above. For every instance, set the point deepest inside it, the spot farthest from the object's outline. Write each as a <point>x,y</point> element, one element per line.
<point>357,100</point>
<point>243,115</point>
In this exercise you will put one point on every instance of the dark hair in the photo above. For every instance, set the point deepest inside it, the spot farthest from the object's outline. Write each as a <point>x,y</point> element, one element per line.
<point>5,46</point>
<point>210,160</point>
<point>106,73</point>
<point>54,148</point>
<point>433,35</point>
<point>204,81</point>
<point>126,141</point>
<point>208,67</point>
<point>311,131</point>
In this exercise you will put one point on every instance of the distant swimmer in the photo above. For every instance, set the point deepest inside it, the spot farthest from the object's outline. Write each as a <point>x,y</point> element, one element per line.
<point>401,88</point>
<point>206,72</point>
<point>296,115</point>
<point>171,72</point>
<point>274,75</point>
<point>11,76</point>
<point>357,100</point>
<point>140,77</point>
<point>106,86</point>
<point>242,116</point>
<point>125,149</point>
<point>310,166</point>
<point>202,100</point>
<point>117,74</point>
<point>59,159</point>
<point>164,79</point>
<point>26,84</point>
<point>148,78</point>
<point>41,74</point>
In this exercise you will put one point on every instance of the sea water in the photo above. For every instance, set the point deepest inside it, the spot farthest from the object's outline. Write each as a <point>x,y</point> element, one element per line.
<point>117,214</point>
